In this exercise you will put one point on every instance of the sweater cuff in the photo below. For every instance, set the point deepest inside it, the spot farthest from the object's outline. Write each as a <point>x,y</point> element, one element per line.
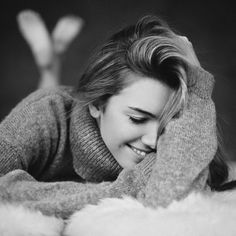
<point>146,166</point>
<point>9,158</point>
<point>199,81</point>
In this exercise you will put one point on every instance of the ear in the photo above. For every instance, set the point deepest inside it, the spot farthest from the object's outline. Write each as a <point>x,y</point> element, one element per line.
<point>95,111</point>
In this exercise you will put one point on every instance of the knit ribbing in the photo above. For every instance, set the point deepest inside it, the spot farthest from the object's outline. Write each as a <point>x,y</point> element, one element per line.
<point>146,165</point>
<point>91,158</point>
<point>8,158</point>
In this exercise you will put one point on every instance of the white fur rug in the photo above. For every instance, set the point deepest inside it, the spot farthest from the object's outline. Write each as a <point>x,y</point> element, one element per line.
<point>19,221</point>
<point>196,215</point>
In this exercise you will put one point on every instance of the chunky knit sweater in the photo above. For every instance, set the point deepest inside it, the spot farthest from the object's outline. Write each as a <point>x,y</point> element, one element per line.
<point>52,138</point>
<point>52,157</point>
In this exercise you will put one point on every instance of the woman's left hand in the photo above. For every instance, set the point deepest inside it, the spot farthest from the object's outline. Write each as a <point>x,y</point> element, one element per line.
<point>187,47</point>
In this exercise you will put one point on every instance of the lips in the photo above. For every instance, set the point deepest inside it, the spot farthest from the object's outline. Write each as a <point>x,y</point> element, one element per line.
<point>138,151</point>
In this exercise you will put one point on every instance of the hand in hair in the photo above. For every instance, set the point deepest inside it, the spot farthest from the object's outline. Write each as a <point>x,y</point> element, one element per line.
<point>188,50</point>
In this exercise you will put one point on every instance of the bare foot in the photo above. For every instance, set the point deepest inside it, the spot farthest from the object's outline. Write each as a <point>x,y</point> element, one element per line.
<point>35,33</point>
<point>65,31</point>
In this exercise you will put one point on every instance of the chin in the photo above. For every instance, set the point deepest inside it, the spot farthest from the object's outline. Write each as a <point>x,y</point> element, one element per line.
<point>127,165</point>
<point>130,165</point>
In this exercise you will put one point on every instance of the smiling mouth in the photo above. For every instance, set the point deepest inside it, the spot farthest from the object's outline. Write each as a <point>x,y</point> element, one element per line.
<point>139,152</point>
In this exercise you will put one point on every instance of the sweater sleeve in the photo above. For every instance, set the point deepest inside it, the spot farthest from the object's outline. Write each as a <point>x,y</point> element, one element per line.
<point>186,148</point>
<point>64,198</point>
<point>29,133</point>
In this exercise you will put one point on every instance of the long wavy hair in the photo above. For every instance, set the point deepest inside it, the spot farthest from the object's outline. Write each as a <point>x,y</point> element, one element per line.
<point>147,48</point>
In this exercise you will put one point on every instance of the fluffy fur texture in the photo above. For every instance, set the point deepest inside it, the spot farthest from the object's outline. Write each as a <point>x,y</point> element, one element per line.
<point>196,215</point>
<point>19,221</point>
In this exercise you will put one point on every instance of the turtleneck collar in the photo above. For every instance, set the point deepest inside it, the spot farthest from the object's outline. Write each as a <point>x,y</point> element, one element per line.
<point>91,158</point>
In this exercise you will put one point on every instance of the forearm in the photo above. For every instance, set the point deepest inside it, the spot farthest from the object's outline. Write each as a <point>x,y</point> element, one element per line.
<point>64,198</point>
<point>183,155</point>
<point>32,132</point>
<point>165,186</point>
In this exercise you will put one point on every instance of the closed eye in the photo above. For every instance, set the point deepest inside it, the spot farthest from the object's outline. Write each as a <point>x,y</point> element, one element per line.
<point>138,120</point>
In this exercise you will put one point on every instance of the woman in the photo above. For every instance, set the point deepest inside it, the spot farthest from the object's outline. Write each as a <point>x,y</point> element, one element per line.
<point>144,85</point>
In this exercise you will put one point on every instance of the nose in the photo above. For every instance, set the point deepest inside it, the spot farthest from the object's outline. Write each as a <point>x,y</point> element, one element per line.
<point>149,138</point>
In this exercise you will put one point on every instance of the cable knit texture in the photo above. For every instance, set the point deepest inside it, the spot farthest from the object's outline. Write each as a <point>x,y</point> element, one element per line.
<point>46,139</point>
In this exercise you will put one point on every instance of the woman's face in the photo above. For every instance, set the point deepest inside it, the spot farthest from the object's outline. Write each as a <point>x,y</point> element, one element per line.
<point>130,121</point>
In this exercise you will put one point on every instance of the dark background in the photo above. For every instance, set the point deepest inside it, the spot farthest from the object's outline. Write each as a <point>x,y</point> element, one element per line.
<point>209,25</point>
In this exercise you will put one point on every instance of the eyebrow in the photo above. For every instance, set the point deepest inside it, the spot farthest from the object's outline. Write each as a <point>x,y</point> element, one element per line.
<point>143,112</point>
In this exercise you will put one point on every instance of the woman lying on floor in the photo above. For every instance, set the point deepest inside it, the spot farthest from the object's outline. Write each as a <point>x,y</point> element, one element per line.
<point>140,123</point>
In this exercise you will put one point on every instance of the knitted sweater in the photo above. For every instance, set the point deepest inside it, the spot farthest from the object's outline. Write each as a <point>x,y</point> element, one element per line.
<point>47,138</point>
<point>52,138</point>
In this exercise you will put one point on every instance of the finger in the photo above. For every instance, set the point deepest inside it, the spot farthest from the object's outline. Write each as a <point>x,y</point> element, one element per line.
<point>185,39</point>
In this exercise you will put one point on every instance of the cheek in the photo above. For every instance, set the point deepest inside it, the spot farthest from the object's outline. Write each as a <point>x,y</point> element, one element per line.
<point>118,130</point>
<point>113,127</point>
